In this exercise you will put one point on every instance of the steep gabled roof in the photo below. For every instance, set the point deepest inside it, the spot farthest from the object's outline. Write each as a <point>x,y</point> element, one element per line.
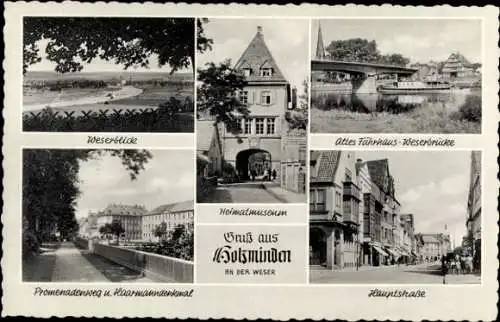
<point>256,56</point>
<point>326,164</point>
<point>173,207</point>
<point>124,210</point>
<point>378,169</point>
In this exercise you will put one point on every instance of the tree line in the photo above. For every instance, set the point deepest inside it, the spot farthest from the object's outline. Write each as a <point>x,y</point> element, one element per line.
<point>364,51</point>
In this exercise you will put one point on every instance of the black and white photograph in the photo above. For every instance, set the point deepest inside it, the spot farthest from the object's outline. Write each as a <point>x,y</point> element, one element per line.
<point>108,74</point>
<point>373,220</point>
<point>102,216</point>
<point>396,76</point>
<point>252,111</point>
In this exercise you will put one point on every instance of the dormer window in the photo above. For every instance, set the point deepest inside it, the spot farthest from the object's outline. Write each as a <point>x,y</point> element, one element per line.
<point>247,72</point>
<point>266,72</point>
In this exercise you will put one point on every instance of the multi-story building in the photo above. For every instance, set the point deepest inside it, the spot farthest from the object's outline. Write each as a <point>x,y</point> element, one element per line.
<point>473,221</point>
<point>130,217</point>
<point>268,96</point>
<point>432,248</point>
<point>365,184</point>
<point>409,244</point>
<point>334,209</point>
<point>173,215</point>
<point>457,66</point>
<point>382,210</point>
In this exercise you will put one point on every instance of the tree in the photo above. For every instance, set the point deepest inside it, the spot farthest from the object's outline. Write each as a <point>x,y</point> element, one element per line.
<point>299,119</point>
<point>75,41</point>
<point>116,228</point>
<point>218,94</point>
<point>395,60</point>
<point>354,50</point>
<point>50,185</point>
<point>364,51</point>
<point>160,230</point>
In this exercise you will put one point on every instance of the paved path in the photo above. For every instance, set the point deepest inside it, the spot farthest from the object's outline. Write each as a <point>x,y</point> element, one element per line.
<point>417,274</point>
<point>70,264</point>
<point>246,192</point>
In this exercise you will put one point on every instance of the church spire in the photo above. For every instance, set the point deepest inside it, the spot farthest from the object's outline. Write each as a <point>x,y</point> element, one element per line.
<point>320,48</point>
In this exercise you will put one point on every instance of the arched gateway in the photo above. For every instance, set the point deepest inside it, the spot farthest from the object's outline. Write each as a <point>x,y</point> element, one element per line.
<point>253,162</point>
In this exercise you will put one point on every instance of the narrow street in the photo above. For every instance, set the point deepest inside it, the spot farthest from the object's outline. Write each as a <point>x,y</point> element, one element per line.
<point>66,263</point>
<point>427,273</point>
<point>254,192</point>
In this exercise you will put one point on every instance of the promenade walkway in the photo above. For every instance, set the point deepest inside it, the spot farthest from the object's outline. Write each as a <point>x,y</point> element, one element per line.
<point>67,263</point>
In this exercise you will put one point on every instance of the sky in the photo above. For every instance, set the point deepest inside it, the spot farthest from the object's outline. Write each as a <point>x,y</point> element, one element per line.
<point>168,177</point>
<point>418,39</point>
<point>432,185</point>
<point>100,65</point>
<point>287,39</point>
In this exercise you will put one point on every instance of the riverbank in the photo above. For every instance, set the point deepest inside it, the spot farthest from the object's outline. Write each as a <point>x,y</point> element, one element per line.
<point>416,121</point>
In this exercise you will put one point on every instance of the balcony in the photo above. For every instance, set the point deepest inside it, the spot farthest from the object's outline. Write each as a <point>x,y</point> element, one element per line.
<point>351,190</point>
<point>317,216</point>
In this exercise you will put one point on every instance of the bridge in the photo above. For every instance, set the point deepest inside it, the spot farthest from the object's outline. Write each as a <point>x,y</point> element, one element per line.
<point>366,72</point>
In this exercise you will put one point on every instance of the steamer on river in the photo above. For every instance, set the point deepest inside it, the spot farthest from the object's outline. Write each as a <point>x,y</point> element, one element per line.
<point>415,87</point>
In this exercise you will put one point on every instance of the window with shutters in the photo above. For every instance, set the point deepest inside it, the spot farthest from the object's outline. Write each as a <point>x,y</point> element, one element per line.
<point>317,199</point>
<point>259,126</point>
<point>248,127</point>
<point>270,126</point>
<point>266,98</point>
<point>244,97</point>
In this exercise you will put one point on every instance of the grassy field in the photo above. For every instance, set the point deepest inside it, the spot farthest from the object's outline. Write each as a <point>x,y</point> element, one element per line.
<point>45,96</point>
<point>417,121</point>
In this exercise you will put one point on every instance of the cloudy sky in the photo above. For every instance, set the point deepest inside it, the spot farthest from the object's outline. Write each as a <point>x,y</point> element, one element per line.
<point>418,39</point>
<point>431,185</point>
<point>168,177</point>
<point>100,65</point>
<point>287,39</point>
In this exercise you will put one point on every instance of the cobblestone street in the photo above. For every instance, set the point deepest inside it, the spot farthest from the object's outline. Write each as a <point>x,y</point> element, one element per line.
<point>427,273</point>
<point>255,192</point>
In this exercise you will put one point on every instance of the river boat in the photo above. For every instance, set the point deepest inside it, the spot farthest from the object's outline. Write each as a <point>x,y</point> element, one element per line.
<point>414,87</point>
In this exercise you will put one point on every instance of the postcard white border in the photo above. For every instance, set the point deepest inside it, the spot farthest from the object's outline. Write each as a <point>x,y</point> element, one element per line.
<point>450,302</point>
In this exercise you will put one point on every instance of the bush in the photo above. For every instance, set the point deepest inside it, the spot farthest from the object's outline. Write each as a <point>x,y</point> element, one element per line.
<point>471,110</point>
<point>30,244</point>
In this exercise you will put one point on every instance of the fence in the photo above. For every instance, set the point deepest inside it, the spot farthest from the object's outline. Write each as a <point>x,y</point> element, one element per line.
<point>162,119</point>
<point>157,267</point>
<point>82,243</point>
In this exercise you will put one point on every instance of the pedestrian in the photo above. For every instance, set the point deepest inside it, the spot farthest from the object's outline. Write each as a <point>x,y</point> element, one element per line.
<point>444,268</point>
<point>274,174</point>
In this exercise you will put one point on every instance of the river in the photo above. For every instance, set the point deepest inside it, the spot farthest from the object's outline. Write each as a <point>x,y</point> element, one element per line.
<point>394,104</point>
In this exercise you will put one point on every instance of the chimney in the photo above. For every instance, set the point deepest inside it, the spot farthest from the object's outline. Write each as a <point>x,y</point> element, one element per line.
<point>259,30</point>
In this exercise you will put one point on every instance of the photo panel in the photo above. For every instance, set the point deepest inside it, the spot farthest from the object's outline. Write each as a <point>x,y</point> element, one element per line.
<point>108,74</point>
<point>425,79</point>
<point>374,222</point>
<point>101,216</point>
<point>252,111</point>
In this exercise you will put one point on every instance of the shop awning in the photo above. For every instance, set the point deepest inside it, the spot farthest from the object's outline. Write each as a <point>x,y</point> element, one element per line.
<point>380,250</point>
<point>393,252</point>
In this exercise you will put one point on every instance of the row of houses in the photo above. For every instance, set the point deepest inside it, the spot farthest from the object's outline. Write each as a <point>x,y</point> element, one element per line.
<point>137,221</point>
<point>355,216</point>
<point>456,66</point>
